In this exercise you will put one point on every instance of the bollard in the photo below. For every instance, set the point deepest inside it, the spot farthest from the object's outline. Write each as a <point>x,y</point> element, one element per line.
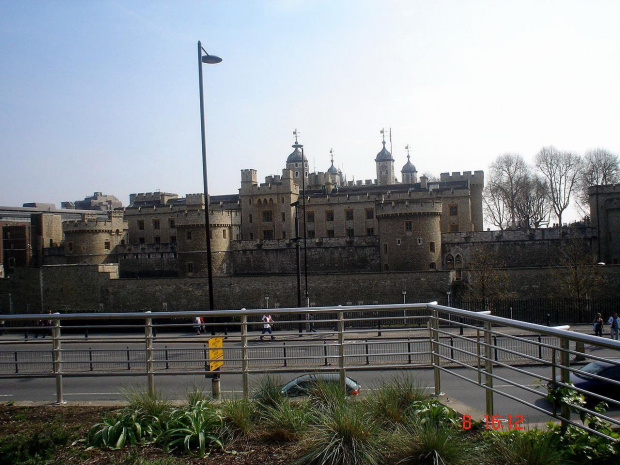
<point>581,348</point>
<point>215,386</point>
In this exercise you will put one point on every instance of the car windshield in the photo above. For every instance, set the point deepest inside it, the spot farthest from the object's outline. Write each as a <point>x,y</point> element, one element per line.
<point>591,368</point>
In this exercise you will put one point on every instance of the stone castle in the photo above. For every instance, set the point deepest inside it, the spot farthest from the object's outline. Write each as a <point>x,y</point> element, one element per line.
<point>381,225</point>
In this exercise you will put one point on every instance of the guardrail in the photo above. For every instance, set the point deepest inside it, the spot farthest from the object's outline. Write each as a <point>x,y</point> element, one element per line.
<point>402,336</point>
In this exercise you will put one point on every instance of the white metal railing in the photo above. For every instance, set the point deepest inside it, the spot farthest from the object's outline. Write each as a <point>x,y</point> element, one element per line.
<point>466,344</point>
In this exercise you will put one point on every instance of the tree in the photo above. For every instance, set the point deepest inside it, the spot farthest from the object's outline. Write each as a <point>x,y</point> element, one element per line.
<point>560,170</point>
<point>533,206</point>
<point>508,176</point>
<point>488,278</point>
<point>495,207</point>
<point>599,168</point>
<point>578,275</point>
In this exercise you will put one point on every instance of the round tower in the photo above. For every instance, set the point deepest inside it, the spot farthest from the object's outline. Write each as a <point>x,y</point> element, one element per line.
<point>297,163</point>
<point>409,173</point>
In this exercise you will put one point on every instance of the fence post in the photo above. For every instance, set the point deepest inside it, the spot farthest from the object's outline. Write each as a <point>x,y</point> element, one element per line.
<point>57,361</point>
<point>495,348</point>
<point>244,356</point>
<point>284,352</point>
<point>148,337</point>
<point>90,358</point>
<point>488,368</point>
<point>565,377</point>
<point>433,325</point>
<point>16,365</point>
<point>128,363</point>
<point>451,348</point>
<point>166,355</point>
<point>409,350</point>
<point>341,351</point>
<point>325,352</point>
<point>367,352</point>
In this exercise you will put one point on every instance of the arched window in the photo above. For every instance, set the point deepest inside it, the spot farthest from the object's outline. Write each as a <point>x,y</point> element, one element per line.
<point>449,262</point>
<point>259,202</point>
<point>270,201</point>
<point>458,262</point>
<point>432,266</point>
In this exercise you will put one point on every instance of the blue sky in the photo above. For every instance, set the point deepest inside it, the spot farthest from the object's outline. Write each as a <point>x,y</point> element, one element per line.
<point>103,95</point>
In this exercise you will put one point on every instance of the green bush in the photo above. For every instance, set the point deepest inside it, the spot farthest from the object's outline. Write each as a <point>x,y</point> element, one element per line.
<point>430,444</point>
<point>238,415</point>
<point>268,393</point>
<point>37,447</point>
<point>430,412</point>
<point>533,447</point>
<point>147,405</point>
<point>195,430</point>
<point>115,433</point>
<point>390,401</point>
<point>287,421</point>
<point>346,435</point>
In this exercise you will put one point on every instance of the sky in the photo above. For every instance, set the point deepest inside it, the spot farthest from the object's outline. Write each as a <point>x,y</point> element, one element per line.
<point>103,95</point>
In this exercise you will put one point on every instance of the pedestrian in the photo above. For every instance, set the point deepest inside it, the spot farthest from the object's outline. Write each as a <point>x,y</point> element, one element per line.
<point>267,322</point>
<point>197,325</point>
<point>311,323</point>
<point>1,327</point>
<point>614,322</point>
<point>598,325</point>
<point>202,325</point>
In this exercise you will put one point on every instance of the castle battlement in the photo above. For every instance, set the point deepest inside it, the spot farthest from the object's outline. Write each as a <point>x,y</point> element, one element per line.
<point>389,208</point>
<point>607,189</point>
<point>476,178</point>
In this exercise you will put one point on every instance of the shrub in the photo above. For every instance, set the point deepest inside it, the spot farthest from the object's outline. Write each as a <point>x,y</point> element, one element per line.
<point>286,421</point>
<point>430,444</point>
<point>430,412</point>
<point>238,415</point>
<point>269,391</point>
<point>195,395</point>
<point>114,433</point>
<point>195,430</point>
<point>532,447</point>
<point>346,435</point>
<point>147,405</point>
<point>390,401</point>
<point>32,448</point>
<point>581,446</point>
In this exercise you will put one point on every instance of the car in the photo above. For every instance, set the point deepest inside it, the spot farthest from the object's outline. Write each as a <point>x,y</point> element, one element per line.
<point>582,379</point>
<point>303,385</point>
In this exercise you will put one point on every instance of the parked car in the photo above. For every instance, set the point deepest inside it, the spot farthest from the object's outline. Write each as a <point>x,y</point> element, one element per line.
<point>303,385</point>
<point>582,379</point>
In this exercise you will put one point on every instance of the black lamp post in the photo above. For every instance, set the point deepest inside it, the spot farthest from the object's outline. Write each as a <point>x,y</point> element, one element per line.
<point>211,60</point>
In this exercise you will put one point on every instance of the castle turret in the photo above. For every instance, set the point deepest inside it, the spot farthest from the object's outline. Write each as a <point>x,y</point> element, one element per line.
<point>410,174</point>
<point>297,163</point>
<point>385,167</point>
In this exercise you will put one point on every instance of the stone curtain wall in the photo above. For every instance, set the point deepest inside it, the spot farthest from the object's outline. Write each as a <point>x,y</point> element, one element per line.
<point>92,288</point>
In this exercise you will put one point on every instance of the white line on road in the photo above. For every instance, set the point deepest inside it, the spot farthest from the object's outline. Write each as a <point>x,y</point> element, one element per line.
<point>6,395</point>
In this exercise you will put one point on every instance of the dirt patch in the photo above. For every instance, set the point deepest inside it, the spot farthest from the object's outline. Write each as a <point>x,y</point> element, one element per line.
<point>77,420</point>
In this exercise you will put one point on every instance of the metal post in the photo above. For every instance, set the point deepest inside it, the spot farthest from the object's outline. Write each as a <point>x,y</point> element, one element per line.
<point>565,377</point>
<point>488,367</point>
<point>57,361</point>
<point>367,358</point>
<point>244,356</point>
<point>148,338</point>
<point>341,350</point>
<point>284,353</point>
<point>324,352</point>
<point>434,337</point>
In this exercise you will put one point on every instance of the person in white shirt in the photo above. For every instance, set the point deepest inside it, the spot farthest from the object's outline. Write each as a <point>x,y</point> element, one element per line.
<point>614,322</point>
<point>267,322</point>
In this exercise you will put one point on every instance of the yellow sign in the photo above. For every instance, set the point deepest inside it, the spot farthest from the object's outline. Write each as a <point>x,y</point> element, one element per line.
<point>216,353</point>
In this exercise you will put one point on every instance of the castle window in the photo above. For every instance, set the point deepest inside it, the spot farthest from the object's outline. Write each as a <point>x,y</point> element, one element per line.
<point>458,262</point>
<point>296,165</point>
<point>157,240</point>
<point>283,217</point>
<point>385,248</point>
<point>141,225</point>
<point>329,215</point>
<point>250,201</point>
<point>250,218</point>
<point>251,236</point>
<point>386,267</point>
<point>173,239</point>
<point>270,201</point>
<point>122,241</point>
<point>349,215</point>
<point>370,231</point>
<point>310,233</point>
<point>370,214</point>
<point>310,217</point>
<point>350,233</point>
<point>141,240</point>
<point>267,216</point>
<point>71,246</point>
<point>259,202</point>
<point>449,262</point>
<point>454,228</point>
<point>330,233</point>
<point>267,234</point>
<point>454,210</point>
<point>431,246</point>
<point>419,241</point>
<point>189,235</point>
<point>172,223</point>
<point>432,266</point>
<point>189,267</point>
<point>296,174</point>
<point>408,226</point>
<point>210,234</point>
<point>398,242</point>
<point>283,234</point>
<point>155,224</point>
<point>106,245</point>
<point>223,233</point>
<point>51,243</point>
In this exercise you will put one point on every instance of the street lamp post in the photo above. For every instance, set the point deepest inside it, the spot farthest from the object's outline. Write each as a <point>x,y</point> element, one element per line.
<point>211,60</point>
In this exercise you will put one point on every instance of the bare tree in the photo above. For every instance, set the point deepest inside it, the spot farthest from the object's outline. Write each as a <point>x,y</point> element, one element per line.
<point>495,208</point>
<point>508,179</point>
<point>532,205</point>
<point>599,168</point>
<point>488,279</point>
<point>578,275</point>
<point>560,170</point>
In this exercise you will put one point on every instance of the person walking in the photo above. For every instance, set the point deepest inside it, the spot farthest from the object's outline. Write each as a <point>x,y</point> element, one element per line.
<point>598,325</point>
<point>267,322</point>
<point>614,322</point>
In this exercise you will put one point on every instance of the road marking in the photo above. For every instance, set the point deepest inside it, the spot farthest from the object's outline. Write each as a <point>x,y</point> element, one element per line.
<point>92,393</point>
<point>6,395</point>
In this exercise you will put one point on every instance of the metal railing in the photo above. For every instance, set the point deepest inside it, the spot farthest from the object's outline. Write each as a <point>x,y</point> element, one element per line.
<point>468,345</point>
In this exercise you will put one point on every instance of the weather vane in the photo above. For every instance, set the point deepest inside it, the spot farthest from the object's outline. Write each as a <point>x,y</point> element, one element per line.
<point>407,149</point>
<point>295,133</point>
<point>331,152</point>
<point>383,133</point>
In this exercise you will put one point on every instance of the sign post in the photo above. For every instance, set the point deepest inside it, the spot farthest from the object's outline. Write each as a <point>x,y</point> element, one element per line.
<point>216,360</point>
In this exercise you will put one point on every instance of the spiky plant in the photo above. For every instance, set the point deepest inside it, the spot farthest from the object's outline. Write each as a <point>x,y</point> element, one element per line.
<point>287,421</point>
<point>390,401</point>
<point>268,392</point>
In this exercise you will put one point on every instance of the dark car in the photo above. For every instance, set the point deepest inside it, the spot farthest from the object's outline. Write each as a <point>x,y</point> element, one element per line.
<point>303,385</point>
<point>582,379</point>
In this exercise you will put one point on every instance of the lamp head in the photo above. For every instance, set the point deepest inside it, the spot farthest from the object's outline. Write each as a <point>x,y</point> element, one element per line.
<point>211,59</point>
